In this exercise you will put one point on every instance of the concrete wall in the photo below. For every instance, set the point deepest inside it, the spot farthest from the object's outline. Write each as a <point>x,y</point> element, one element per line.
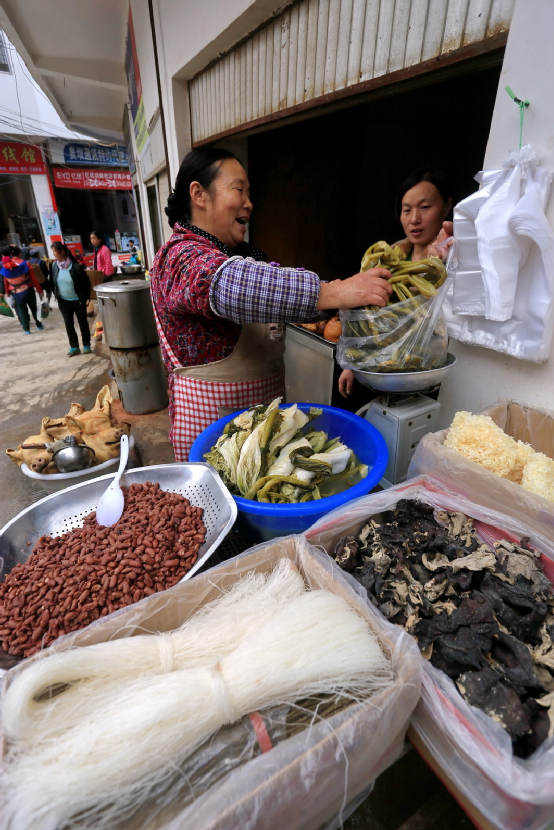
<point>190,35</point>
<point>481,375</point>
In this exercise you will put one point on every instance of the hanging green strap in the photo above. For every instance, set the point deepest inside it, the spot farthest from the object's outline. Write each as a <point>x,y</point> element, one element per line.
<point>522,106</point>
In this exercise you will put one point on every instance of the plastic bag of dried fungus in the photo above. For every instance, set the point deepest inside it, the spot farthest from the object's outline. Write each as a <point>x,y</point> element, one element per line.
<point>468,750</point>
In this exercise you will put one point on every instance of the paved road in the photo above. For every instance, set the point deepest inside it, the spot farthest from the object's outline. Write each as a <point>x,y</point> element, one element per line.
<point>37,379</point>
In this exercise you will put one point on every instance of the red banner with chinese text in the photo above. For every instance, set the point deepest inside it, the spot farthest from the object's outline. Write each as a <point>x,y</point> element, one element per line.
<point>92,179</point>
<point>20,158</point>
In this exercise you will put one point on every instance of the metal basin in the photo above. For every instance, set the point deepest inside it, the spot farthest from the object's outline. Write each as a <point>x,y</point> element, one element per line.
<point>71,459</point>
<point>405,381</point>
<point>130,269</point>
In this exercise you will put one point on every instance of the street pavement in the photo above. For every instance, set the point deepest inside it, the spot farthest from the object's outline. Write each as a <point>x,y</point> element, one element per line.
<point>37,379</point>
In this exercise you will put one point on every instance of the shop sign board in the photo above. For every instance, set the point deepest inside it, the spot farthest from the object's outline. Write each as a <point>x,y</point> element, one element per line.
<point>50,222</point>
<point>80,152</point>
<point>134,84</point>
<point>20,158</point>
<point>92,179</point>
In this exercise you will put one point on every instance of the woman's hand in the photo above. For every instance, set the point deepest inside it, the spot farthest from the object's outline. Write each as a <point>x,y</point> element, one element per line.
<point>443,242</point>
<point>346,383</point>
<point>367,288</point>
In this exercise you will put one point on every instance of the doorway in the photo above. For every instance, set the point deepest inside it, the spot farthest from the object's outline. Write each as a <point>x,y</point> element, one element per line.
<point>324,189</point>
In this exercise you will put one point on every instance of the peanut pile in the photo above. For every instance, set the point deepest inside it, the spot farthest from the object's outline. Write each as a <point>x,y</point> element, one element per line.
<point>73,579</point>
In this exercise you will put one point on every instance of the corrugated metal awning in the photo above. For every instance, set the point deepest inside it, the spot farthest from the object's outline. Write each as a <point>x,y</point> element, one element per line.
<point>318,49</point>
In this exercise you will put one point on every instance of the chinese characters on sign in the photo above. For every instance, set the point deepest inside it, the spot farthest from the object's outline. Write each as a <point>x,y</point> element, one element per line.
<point>92,179</point>
<point>20,158</point>
<point>79,152</point>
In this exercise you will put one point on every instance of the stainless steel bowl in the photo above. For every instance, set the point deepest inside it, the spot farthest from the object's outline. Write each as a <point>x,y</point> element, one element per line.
<point>130,269</point>
<point>71,459</point>
<point>405,381</point>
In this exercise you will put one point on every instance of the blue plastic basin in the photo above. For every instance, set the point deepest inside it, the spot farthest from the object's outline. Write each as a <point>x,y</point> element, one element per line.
<point>263,521</point>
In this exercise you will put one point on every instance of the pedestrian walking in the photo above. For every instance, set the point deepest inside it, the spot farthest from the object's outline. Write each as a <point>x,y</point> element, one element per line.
<point>18,280</point>
<point>72,291</point>
<point>102,256</point>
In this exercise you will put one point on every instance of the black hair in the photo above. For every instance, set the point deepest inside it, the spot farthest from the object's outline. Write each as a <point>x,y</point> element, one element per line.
<point>200,165</point>
<point>100,236</point>
<point>14,250</point>
<point>59,246</point>
<point>425,174</point>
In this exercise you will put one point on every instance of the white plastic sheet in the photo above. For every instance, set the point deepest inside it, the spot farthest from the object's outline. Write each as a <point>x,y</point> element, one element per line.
<point>474,751</point>
<point>502,295</point>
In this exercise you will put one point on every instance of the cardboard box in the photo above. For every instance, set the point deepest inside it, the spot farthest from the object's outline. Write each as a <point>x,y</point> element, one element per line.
<point>524,423</point>
<point>306,780</point>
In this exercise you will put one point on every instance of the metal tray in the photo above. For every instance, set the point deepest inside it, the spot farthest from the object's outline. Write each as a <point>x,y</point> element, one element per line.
<point>65,510</point>
<point>405,381</point>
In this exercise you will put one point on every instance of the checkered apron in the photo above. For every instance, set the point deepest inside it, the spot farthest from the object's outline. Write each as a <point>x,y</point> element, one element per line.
<point>198,403</point>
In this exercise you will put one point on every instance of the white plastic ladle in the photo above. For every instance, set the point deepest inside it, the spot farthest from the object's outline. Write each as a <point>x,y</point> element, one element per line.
<point>111,504</point>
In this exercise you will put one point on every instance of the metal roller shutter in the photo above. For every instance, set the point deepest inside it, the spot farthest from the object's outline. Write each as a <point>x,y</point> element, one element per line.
<point>320,49</point>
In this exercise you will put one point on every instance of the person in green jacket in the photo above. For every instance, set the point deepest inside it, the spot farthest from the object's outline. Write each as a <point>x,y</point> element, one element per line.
<point>72,291</point>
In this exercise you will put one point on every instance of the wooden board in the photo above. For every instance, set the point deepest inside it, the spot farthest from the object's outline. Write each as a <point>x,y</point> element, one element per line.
<point>95,277</point>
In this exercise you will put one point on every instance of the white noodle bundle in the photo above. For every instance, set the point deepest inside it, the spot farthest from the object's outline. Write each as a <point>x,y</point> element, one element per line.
<point>94,670</point>
<point>107,763</point>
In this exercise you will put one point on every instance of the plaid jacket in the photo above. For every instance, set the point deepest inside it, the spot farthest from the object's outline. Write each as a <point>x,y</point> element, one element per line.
<point>202,296</point>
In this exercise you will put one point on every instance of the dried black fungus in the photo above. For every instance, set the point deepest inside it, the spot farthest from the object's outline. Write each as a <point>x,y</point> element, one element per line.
<point>484,616</point>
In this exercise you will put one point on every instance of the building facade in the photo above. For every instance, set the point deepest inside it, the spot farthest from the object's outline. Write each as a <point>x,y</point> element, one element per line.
<point>328,103</point>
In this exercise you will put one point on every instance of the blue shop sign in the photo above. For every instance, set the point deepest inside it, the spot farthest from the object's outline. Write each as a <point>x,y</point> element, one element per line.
<point>77,153</point>
<point>84,153</point>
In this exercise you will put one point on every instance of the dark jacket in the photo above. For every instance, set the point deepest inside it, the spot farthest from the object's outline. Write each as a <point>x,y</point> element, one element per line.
<point>80,281</point>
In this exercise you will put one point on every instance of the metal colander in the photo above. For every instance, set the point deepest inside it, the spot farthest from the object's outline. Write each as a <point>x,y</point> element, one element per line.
<point>63,511</point>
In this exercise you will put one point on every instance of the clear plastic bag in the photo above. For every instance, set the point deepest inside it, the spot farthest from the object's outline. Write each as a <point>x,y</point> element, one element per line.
<point>407,336</point>
<point>468,747</point>
<point>522,422</point>
<point>314,778</point>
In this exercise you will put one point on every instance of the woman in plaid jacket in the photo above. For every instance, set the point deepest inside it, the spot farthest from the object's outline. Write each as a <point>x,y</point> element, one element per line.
<point>216,298</point>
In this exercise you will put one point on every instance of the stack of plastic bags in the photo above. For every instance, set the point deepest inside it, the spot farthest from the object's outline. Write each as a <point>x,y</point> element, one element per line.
<point>502,296</point>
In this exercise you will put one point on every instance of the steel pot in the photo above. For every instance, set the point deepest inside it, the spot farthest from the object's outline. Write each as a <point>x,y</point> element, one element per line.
<point>127,314</point>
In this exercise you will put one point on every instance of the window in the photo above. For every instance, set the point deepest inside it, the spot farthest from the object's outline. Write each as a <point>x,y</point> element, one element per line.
<point>4,55</point>
<point>124,207</point>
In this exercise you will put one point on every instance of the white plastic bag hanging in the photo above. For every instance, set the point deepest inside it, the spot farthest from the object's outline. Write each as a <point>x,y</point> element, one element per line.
<point>468,288</point>
<point>503,290</point>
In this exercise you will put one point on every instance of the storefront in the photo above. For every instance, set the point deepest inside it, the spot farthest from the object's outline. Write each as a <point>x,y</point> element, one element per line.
<point>93,189</point>
<point>27,211</point>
